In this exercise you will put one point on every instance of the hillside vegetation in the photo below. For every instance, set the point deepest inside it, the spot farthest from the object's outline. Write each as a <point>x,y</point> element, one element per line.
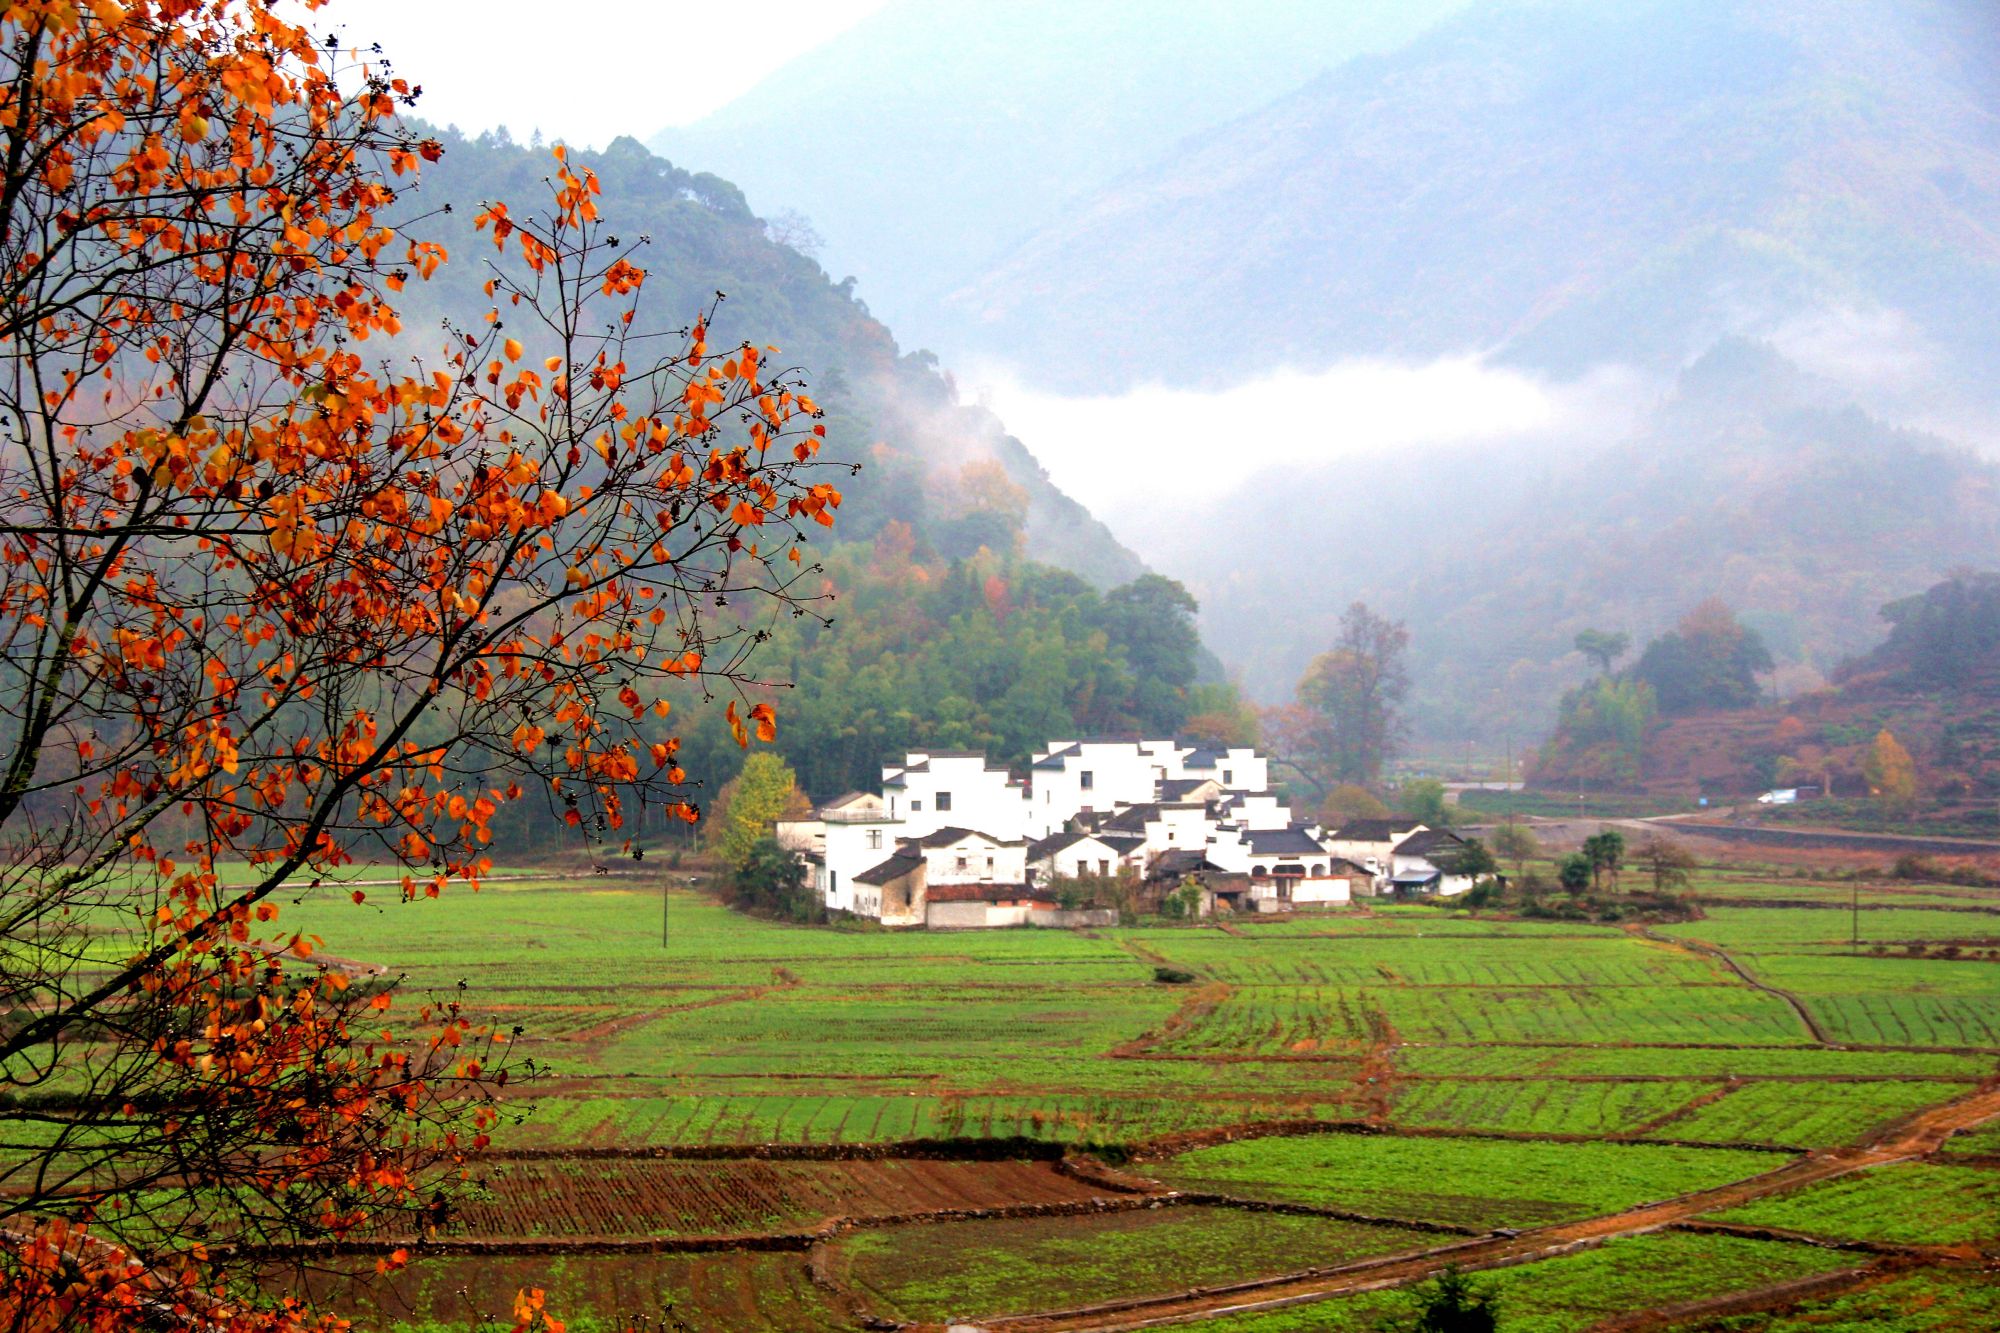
<point>1931,688</point>
<point>898,414</point>
<point>962,599</point>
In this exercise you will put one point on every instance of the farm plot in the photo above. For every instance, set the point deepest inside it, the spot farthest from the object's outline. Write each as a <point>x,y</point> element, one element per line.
<point>974,1269</point>
<point>1931,1300</point>
<point>810,1115</point>
<point>1255,958</point>
<point>1981,1142</point>
<point>1694,1062</point>
<point>734,1291</point>
<point>653,1197</point>
<point>1573,1292</point>
<point>1479,1183</point>
<point>1689,1015</point>
<point>1831,928</point>
<point>1934,1003</point>
<point>1813,1115</point>
<point>1910,1203</point>
<point>1278,1020</point>
<point>1540,1107</point>
<point>953,1033</point>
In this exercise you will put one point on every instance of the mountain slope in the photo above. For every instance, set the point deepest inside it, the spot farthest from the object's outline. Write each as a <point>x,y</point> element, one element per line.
<point>896,413</point>
<point>1568,182</point>
<point>1752,481</point>
<point>936,132</point>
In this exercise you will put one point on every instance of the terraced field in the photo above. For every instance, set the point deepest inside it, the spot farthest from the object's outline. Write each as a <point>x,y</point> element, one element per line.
<point>762,1126</point>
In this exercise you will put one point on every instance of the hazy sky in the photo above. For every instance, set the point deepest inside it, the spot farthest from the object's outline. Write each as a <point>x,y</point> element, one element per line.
<point>588,70</point>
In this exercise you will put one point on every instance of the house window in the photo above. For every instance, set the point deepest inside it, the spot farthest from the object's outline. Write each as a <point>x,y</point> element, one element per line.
<point>944,801</point>
<point>1089,780</point>
<point>961,863</point>
<point>989,865</point>
<point>1104,868</point>
<point>916,807</point>
<point>833,881</point>
<point>1227,777</point>
<point>1257,872</point>
<point>875,839</point>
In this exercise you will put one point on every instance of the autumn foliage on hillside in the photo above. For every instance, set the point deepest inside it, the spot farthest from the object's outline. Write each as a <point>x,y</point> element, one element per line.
<point>276,598</point>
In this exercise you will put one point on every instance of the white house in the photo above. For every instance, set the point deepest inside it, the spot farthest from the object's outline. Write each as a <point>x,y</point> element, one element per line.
<point>1254,811</point>
<point>1427,863</point>
<point>1234,768</point>
<point>950,818</point>
<point>1082,777</point>
<point>1162,825</point>
<point>846,836</point>
<point>1372,843</point>
<point>934,789</point>
<point>1075,854</point>
<point>946,865</point>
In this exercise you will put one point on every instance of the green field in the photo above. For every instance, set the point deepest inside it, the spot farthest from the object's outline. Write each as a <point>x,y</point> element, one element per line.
<point>1572,1293</point>
<point>1510,1074</point>
<point>1504,1183</point>
<point>1912,1203</point>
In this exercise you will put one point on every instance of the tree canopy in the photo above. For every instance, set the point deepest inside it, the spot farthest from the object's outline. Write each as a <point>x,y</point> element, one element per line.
<point>1710,660</point>
<point>276,597</point>
<point>1348,715</point>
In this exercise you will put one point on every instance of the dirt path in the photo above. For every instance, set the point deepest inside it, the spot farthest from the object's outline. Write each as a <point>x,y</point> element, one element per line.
<point>1914,1136</point>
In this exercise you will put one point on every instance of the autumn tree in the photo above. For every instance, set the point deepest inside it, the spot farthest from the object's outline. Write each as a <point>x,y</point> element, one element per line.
<point>1355,693</point>
<point>1665,862</point>
<point>1890,773</point>
<point>1349,802</point>
<point>764,792</point>
<point>271,605</point>
<point>1219,715</point>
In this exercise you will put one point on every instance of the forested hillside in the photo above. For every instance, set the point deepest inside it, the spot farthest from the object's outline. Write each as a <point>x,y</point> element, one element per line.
<point>967,601</point>
<point>896,413</point>
<point>1911,725</point>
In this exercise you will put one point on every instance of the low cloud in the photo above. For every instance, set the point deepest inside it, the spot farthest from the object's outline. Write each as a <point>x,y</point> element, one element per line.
<point>1121,453</point>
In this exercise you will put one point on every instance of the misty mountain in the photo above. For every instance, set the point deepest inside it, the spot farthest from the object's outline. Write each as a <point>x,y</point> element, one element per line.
<point>1565,182</point>
<point>936,133</point>
<point>898,414</point>
<point>1752,481</point>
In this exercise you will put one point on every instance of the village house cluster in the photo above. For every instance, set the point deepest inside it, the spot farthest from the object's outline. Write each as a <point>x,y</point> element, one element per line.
<point>954,841</point>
